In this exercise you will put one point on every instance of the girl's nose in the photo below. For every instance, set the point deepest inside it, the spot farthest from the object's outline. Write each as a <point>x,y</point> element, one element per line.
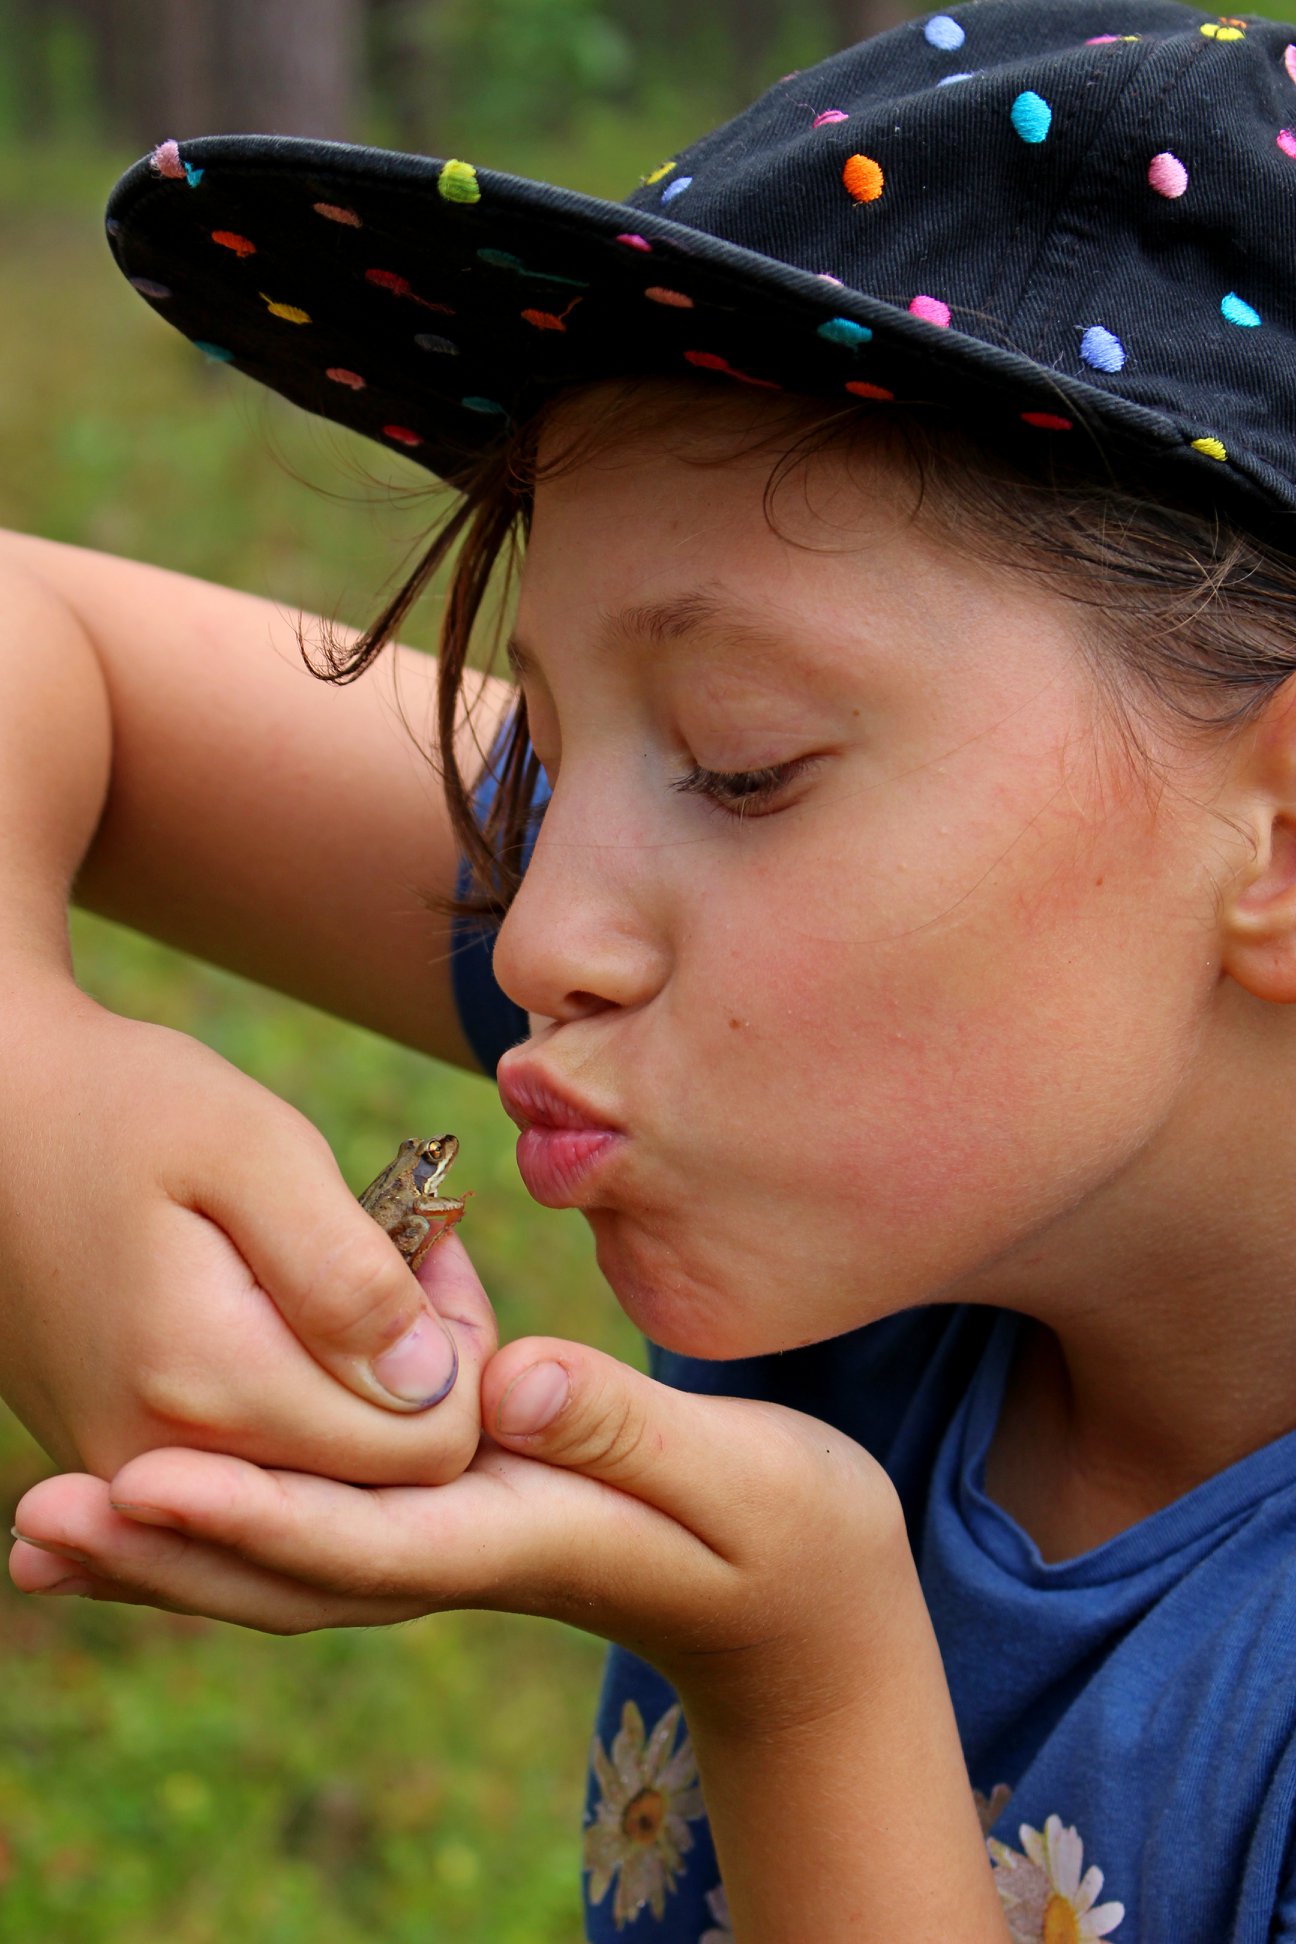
<point>584,932</point>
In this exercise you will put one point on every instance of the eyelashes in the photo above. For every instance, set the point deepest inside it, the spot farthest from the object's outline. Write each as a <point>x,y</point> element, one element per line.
<point>742,793</point>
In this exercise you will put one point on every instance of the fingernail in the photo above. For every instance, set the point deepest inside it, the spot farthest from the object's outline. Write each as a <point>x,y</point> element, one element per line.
<point>73,1584</point>
<point>44,1545</point>
<point>422,1367</point>
<point>143,1514</point>
<point>533,1400</point>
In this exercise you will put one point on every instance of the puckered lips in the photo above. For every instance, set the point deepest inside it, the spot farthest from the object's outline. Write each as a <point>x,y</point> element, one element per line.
<point>562,1140</point>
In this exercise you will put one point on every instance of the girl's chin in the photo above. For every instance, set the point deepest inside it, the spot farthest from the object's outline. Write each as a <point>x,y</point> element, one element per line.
<point>676,1304</point>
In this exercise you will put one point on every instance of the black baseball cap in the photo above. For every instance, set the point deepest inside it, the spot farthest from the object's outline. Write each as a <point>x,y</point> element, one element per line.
<point>1073,219</point>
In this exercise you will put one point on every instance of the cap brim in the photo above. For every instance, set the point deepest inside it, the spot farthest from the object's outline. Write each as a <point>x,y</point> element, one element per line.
<point>431,305</point>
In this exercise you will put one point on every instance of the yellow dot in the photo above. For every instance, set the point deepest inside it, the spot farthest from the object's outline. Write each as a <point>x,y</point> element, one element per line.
<point>458,182</point>
<point>1213,448</point>
<point>662,170</point>
<point>863,177</point>
<point>288,311</point>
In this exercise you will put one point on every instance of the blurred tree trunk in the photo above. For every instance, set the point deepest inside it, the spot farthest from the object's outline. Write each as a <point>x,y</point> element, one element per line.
<point>292,67</point>
<point>160,68</point>
<point>26,53</point>
<point>217,67</point>
<point>408,71</point>
<point>753,34</point>
<point>855,20</point>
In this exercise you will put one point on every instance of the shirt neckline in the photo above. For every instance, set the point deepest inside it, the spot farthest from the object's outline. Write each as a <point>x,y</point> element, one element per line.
<point>1222,1500</point>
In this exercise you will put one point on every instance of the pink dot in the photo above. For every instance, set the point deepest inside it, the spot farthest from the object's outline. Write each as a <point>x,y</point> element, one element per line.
<point>1101,40</point>
<point>1286,141</point>
<point>1048,421</point>
<point>165,158</point>
<point>341,376</point>
<point>931,309</point>
<point>825,278</point>
<point>1167,174</point>
<point>1289,61</point>
<point>633,242</point>
<point>830,115</point>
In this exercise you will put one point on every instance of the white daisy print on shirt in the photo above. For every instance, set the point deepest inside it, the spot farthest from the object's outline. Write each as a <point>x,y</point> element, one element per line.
<point>647,1798</point>
<point>718,1905</point>
<point>1044,1896</point>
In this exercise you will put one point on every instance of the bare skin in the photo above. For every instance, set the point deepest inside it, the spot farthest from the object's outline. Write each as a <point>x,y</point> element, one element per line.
<point>1008,1014</point>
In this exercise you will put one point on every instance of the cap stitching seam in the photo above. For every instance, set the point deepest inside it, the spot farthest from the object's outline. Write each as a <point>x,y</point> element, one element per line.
<point>1077,231</point>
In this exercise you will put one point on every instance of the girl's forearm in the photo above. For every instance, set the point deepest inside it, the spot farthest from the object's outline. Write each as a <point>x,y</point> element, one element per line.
<point>55,761</point>
<point>856,1826</point>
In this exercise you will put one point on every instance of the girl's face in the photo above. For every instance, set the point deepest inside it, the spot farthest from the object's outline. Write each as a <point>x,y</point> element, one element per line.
<point>848,911</point>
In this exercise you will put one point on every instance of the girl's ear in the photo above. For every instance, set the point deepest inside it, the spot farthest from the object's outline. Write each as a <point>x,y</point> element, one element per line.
<point>1258,912</point>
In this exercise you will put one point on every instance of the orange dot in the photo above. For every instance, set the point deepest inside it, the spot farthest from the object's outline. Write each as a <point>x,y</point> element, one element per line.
<point>863,177</point>
<point>231,240</point>
<point>862,389</point>
<point>544,320</point>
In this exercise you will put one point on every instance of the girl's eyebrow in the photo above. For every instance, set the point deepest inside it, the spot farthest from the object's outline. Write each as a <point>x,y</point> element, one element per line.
<point>694,612</point>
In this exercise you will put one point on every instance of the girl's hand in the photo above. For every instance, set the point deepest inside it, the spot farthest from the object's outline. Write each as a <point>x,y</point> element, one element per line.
<point>172,1235</point>
<point>752,1554</point>
<point>745,1549</point>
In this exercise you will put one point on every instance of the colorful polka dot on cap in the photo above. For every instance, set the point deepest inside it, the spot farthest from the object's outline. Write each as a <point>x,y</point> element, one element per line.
<point>990,208</point>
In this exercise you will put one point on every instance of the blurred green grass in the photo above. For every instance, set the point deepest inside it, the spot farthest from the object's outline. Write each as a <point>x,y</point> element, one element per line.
<point>171,1778</point>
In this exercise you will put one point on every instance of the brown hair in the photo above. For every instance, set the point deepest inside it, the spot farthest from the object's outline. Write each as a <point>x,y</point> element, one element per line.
<point>1193,617</point>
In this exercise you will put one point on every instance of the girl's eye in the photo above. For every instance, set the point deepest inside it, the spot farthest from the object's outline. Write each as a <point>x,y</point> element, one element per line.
<point>741,793</point>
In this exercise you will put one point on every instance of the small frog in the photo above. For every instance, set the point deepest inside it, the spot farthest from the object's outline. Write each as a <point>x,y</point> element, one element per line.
<point>404,1198</point>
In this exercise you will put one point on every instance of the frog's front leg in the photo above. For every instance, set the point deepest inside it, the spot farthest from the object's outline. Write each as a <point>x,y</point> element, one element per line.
<point>420,1231</point>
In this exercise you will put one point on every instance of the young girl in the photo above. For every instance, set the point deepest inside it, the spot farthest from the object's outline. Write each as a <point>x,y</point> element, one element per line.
<point>905,633</point>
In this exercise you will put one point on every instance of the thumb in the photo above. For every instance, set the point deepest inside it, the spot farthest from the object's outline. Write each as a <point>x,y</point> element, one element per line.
<point>572,1406</point>
<point>345,1290</point>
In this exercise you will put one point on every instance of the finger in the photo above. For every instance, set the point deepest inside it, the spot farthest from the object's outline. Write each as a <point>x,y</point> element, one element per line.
<point>337,1279</point>
<point>117,1559</point>
<point>716,1465</point>
<point>243,1385</point>
<point>508,1534</point>
<point>501,1535</point>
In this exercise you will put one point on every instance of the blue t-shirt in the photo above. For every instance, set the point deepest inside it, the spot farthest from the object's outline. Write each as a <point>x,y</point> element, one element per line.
<point>1128,1716</point>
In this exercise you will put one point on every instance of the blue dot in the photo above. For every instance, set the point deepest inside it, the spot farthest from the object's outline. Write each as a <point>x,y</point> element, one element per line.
<point>943,32</point>
<point>489,405</point>
<point>429,341</point>
<point>947,78</point>
<point>675,188</point>
<point>502,259</point>
<point>1102,349</point>
<point>844,330</point>
<point>1237,312</point>
<point>1031,116</point>
<point>217,352</point>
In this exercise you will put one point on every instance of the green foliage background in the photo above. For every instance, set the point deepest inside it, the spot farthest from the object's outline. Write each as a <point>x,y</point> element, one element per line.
<point>163,1777</point>
<point>172,1778</point>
